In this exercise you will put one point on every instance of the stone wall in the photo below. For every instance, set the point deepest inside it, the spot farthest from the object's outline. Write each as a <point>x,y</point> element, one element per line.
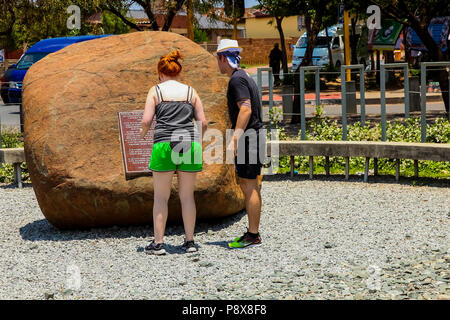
<point>256,51</point>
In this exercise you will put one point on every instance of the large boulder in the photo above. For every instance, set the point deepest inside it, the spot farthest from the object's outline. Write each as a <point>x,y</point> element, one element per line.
<point>72,144</point>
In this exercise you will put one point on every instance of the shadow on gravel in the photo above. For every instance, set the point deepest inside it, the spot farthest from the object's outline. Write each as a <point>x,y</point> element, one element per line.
<point>14,186</point>
<point>386,179</point>
<point>170,249</point>
<point>42,230</point>
<point>223,244</point>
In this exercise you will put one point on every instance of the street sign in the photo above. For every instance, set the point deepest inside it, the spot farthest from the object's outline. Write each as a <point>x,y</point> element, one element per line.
<point>341,13</point>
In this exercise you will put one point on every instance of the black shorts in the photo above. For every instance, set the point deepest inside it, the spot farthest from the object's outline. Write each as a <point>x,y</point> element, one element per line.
<point>251,158</point>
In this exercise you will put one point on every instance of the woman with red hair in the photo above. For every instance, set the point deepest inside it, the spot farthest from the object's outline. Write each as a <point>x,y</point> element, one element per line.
<point>177,147</point>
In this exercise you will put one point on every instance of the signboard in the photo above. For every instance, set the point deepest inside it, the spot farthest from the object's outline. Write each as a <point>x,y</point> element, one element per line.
<point>386,37</point>
<point>136,151</point>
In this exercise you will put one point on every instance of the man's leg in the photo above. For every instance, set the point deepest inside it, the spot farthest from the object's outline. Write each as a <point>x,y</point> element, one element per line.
<point>252,194</point>
<point>276,72</point>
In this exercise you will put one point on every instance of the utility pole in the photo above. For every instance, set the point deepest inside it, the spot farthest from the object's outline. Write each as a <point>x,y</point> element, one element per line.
<point>347,42</point>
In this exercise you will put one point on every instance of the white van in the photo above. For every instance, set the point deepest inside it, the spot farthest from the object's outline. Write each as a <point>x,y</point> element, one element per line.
<point>320,52</point>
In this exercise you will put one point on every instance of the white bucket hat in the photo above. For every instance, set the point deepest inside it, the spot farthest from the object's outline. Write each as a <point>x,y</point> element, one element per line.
<point>230,49</point>
<point>227,45</point>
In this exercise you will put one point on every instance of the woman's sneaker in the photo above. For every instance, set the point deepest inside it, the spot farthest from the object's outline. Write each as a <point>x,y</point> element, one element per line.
<point>155,248</point>
<point>189,246</point>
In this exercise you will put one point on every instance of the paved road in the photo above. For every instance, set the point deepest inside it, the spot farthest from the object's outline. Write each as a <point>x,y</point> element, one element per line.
<point>9,115</point>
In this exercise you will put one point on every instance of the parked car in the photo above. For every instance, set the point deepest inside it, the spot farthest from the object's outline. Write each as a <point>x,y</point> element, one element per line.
<point>11,91</point>
<point>4,85</point>
<point>320,53</point>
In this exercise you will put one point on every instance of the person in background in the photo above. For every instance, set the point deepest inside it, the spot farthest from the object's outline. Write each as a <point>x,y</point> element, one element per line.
<point>177,147</point>
<point>275,58</point>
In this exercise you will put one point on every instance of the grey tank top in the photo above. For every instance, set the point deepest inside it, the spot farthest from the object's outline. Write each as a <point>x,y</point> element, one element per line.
<point>174,119</point>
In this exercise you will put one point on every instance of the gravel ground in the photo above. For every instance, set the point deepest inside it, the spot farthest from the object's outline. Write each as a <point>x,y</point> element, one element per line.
<point>322,239</point>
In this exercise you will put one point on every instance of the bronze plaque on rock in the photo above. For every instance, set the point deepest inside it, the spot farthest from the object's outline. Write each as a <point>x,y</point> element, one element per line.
<point>136,151</point>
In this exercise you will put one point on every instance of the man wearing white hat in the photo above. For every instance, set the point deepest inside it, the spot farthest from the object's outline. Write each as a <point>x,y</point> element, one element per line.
<point>248,141</point>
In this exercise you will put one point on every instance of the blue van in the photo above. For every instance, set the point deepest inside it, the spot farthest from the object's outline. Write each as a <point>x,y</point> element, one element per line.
<point>11,91</point>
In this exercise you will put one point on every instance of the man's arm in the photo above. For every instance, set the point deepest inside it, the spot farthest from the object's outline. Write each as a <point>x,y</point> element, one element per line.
<point>245,111</point>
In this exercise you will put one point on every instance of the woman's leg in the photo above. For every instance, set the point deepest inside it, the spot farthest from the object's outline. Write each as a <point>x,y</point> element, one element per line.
<point>162,182</point>
<point>186,182</point>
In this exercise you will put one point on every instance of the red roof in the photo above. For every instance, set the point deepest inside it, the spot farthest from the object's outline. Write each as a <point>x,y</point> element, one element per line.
<point>95,18</point>
<point>254,13</point>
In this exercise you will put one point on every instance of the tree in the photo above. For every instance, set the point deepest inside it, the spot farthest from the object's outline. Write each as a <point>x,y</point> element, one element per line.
<point>279,9</point>
<point>173,6</point>
<point>113,25</point>
<point>313,11</point>
<point>169,7</point>
<point>7,20</point>
<point>234,9</point>
<point>190,19</point>
<point>200,35</point>
<point>329,19</point>
<point>417,14</point>
<point>24,22</point>
<point>118,7</point>
<point>357,11</point>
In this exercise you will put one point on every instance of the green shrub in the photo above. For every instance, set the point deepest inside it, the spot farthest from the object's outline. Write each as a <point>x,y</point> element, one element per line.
<point>11,138</point>
<point>414,72</point>
<point>200,35</point>
<point>7,172</point>
<point>322,128</point>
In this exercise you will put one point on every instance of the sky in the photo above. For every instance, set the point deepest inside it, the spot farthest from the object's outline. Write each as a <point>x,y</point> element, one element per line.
<point>250,3</point>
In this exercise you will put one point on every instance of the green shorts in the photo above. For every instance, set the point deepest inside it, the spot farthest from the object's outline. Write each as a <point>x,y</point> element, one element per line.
<point>164,159</point>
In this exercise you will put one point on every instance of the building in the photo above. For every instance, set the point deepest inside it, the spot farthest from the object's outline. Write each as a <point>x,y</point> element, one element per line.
<point>213,27</point>
<point>260,25</point>
<point>217,28</point>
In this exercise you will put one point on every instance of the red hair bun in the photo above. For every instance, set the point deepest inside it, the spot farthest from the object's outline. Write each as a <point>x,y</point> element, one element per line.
<point>169,64</point>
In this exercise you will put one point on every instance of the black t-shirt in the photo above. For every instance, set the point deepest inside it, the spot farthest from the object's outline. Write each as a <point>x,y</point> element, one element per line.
<point>241,87</point>
<point>275,56</point>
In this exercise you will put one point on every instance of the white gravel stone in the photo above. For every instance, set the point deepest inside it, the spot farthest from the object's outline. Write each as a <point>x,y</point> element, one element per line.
<point>323,238</point>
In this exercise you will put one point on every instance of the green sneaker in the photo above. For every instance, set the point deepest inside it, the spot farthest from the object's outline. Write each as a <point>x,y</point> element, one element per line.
<point>245,241</point>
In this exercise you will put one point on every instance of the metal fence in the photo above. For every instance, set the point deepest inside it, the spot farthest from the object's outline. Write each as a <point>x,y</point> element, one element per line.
<point>362,72</point>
